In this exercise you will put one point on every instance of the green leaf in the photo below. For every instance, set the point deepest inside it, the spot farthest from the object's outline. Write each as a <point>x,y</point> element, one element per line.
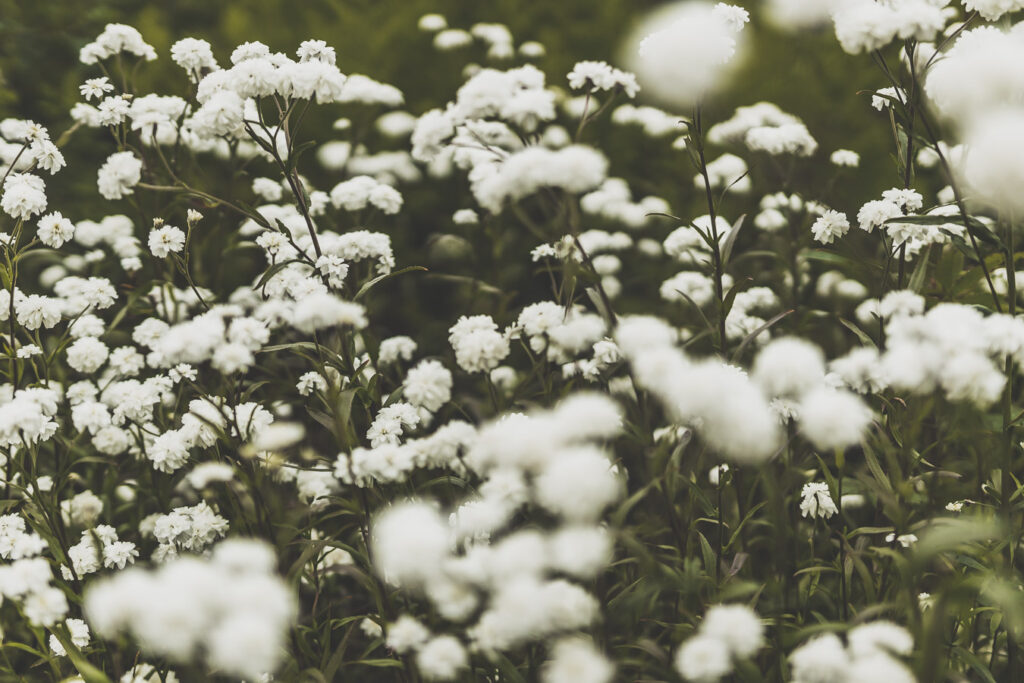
<point>876,468</point>
<point>381,663</point>
<point>730,239</point>
<point>831,258</point>
<point>297,151</point>
<point>948,534</point>
<point>708,553</point>
<point>89,672</point>
<point>861,335</point>
<point>595,298</point>
<point>380,278</point>
<point>479,285</point>
<point>753,335</point>
<point>343,408</point>
<point>975,663</point>
<point>274,270</point>
<point>917,278</point>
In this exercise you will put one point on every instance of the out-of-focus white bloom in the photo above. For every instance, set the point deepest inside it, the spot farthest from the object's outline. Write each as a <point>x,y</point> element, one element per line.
<point>687,48</point>
<point>574,660</point>
<point>432,23</point>
<point>441,659</point>
<point>820,660</point>
<point>410,541</point>
<point>866,25</point>
<point>575,169</point>
<point>119,175</point>
<point>703,659</point>
<point>737,626</point>
<point>831,418</point>
<point>883,637</point>
<point>578,484</point>
<point>789,366</point>
<point>322,311</point>
<point>994,167</point>
<point>845,157</point>
<point>971,79</point>
<point>734,415</point>
<point>232,608</point>
<point>357,193</point>
<point>394,349</point>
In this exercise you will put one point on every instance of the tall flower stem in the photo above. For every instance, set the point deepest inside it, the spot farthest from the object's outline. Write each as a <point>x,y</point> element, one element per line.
<point>1006,504</point>
<point>697,138</point>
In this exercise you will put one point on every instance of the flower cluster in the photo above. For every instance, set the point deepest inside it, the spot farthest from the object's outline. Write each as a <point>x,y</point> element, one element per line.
<point>474,390</point>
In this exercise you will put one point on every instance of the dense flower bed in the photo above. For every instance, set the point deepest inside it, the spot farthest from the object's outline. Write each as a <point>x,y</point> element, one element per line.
<point>774,440</point>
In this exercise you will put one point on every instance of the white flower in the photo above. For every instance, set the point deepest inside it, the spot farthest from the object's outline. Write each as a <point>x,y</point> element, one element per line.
<point>428,385</point>
<point>46,155</point>
<point>994,167</point>
<point>829,226</point>
<point>735,625</point>
<point>406,634</point>
<point>820,660</point>
<point>845,157</point>
<point>684,56</point>
<point>703,659</point>
<point>905,540</point>
<point>574,660</point>
<point>79,631</point>
<point>54,230</point>
<point>316,50</point>
<point>831,418</point>
<point>441,659</point>
<point>578,484</point>
<point>478,345</point>
<point>394,349</point>
<point>165,240</point>
<point>35,311</point>
<point>322,310</point>
<point>87,354</point>
<point>601,76</point>
<point>24,194</point>
<point>119,175</point>
<point>238,622</point>
<point>465,217</point>
<point>789,367</point>
<point>29,350</point>
<point>311,382</point>
<point>432,23</point>
<point>193,55</point>
<point>45,607</point>
<point>880,637</point>
<point>816,501</point>
<point>96,87</point>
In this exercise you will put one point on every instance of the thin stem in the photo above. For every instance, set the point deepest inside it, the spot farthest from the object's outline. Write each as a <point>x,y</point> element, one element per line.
<point>716,254</point>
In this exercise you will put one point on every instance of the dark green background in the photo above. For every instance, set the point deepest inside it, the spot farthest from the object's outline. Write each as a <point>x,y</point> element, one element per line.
<point>806,74</point>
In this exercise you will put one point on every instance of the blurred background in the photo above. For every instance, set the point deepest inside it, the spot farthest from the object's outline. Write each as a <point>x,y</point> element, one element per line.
<point>803,72</point>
